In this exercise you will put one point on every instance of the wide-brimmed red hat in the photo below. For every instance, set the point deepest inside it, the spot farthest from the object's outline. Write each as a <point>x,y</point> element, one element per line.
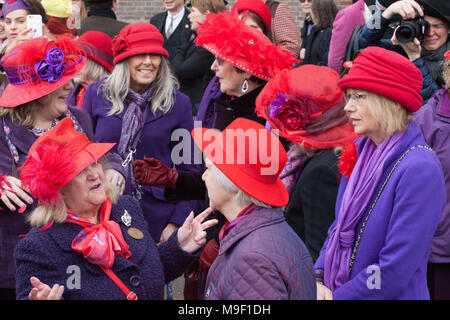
<point>37,67</point>
<point>388,74</point>
<point>251,156</point>
<point>306,106</point>
<point>256,6</point>
<point>56,157</point>
<point>227,37</point>
<point>138,38</point>
<point>97,47</point>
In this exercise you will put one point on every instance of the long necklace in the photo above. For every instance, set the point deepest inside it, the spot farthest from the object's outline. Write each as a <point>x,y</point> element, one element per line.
<point>39,132</point>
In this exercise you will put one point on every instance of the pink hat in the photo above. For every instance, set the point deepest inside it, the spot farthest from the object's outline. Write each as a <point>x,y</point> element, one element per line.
<point>98,47</point>
<point>388,74</point>
<point>138,38</point>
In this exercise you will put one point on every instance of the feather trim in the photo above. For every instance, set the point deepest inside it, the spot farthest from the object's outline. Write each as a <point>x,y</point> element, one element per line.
<point>347,160</point>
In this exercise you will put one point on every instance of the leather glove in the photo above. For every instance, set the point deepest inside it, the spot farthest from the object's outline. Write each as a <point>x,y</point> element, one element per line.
<point>153,172</point>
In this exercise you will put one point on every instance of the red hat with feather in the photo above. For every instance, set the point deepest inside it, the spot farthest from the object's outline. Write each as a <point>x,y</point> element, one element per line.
<point>56,157</point>
<point>37,67</point>
<point>229,38</point>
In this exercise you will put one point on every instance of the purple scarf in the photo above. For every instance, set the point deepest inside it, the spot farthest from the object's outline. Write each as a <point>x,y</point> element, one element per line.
<point>361,186</point>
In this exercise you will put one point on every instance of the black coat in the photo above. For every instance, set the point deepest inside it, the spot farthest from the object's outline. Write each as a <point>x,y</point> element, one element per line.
<point>310,210</point>
<point>107,25</point>
<point>317,47</point>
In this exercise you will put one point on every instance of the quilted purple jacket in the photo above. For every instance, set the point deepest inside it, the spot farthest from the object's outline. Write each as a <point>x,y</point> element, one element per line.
<point>261,258</point>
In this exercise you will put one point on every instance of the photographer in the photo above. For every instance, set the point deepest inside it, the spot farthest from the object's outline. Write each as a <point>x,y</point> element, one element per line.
<point>427,52</point>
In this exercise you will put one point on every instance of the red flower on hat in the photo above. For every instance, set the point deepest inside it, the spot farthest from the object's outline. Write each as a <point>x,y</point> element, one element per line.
<point>447,55</point>
<point>119,44</point>
<point>347,160</point>
<point>293,115</point>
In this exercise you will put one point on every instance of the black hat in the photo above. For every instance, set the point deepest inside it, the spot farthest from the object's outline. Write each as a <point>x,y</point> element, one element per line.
<point>436,8</point>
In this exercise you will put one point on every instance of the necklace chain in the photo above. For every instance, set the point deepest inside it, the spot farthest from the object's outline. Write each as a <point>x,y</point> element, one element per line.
<point>38,131</point>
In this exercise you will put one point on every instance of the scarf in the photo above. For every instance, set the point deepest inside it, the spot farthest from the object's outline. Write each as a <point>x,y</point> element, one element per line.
<point>230,225</point>
<point>361,186</point>
<point>293,168</point>
<point>434,61</point>
<point>99,243</point>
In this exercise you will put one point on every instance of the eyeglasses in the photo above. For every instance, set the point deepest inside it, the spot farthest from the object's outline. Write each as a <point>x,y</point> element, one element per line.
<point>303,1</point>
<point>357,97</point>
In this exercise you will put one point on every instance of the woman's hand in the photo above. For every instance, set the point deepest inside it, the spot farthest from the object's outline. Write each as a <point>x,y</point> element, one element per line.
<point>405,8</point>
<point>21,37</point>
<point>413,49</point>
<point>115,178</point>
<point>192,234</point>
<point>167,232</point>
<point>323,293</point>
<point>13,196</point>
<point>41,291</point>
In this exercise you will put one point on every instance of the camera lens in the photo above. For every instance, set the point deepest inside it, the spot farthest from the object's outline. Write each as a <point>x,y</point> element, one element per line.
<point>405,34</point>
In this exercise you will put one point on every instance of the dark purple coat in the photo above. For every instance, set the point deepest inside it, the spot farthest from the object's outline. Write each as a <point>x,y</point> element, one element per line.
<point>155,142</point>
<point>13,224</point>
<point>261,258</point>
<point>47,255</point>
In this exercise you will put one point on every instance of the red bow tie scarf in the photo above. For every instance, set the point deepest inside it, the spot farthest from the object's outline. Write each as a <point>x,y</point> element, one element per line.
<point>99,243</point>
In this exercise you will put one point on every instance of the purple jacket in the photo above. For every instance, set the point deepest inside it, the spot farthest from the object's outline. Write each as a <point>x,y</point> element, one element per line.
<point>434,121</point>
<point>391,262</point>
<point>13,224</point>
<point>345,22</point>
<point>261,258</point>
<point>47,255</point>
<point>155,142</point>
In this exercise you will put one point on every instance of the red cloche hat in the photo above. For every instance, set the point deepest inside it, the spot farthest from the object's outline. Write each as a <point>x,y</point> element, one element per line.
<point>138,38</point>
<point>256,6</point>
<point>251,156</point>
<point>37,67</point>
<point>97,46</point>
<point>388,74</point>
<point>306,105</point>
<point>56,157</point>
<point>227,37</point>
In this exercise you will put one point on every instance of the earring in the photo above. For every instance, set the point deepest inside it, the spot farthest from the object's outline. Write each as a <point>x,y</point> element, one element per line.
<point>245,86</point>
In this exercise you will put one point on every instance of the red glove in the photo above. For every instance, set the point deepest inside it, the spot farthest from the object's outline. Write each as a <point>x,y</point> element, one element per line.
<point>152,172</point>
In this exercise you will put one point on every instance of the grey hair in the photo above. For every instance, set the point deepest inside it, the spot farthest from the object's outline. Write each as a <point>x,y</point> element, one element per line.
<point>115,87</point>
<point>241,197</point>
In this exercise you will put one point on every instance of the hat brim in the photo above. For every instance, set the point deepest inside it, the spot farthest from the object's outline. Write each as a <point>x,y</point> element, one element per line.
<point>16,95</point>
<point>91,153</point>
<point>274,194</point>
<point>140,50</point>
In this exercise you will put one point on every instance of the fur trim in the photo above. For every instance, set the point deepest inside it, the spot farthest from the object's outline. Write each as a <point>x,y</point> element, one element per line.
<point>47,169</point>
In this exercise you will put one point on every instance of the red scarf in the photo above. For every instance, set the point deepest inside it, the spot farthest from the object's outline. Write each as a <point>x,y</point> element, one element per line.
<point>99,243</point>
<point>230,225</point>
<point>80,97</point>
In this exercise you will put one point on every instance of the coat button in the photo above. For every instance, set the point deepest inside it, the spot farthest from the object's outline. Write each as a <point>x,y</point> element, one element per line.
<point>135,281</point>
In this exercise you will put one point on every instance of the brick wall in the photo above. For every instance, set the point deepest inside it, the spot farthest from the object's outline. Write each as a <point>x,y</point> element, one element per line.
<point>141,10</point>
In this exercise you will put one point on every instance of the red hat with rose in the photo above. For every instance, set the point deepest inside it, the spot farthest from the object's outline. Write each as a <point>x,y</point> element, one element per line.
<point>306,106</point>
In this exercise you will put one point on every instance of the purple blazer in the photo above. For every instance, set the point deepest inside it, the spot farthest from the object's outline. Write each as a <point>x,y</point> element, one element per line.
<point>155,142</point>
<point>47,255</point>
<point>261,258</point>
<point>391,263</point>
<point>13,225</point>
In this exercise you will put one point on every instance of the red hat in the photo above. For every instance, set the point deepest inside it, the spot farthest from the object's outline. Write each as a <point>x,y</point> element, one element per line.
<point>227,37</point>
<point>306,105</point>
<point>97,46</point>
<point>56,157</point>
<point>388,74</point>
<point>251,156</point>
<point>138,38</point>
<point>256,6</point>
<point>37,67</point>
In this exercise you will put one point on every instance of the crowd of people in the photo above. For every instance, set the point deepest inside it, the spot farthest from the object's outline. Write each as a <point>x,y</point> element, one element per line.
<point>225,144</point>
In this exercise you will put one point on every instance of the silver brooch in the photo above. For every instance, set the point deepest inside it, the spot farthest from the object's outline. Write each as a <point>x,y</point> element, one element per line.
<point>126,218</point>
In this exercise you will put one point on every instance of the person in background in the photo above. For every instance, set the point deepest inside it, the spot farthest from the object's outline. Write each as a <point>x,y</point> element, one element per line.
<point>305,31</point>
<point>256,14</point>
<point>58,11</point>
<point>2,24</point>
<point>388,208</point>
<point>433,119</point>
<point>317,43</point>
<point>101,17</point>
<point>97,47</point>
<point>306,106</point>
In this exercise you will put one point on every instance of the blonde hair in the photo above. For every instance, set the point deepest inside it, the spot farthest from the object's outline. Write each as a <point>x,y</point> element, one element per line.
<point>94,72</point>
<point>446,73</point>
<point>44,214</point>
<point>24,113</point>
<point>115,87</point>
<point>213,6</point>
<point>389,114</point>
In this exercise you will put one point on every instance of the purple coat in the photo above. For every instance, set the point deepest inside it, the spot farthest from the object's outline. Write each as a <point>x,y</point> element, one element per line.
<point>47,255</point>
<point>155,142</point>
<point>13,224</point>
<point>261,258</point>
<point>396,242</point>
<point>434,121</point>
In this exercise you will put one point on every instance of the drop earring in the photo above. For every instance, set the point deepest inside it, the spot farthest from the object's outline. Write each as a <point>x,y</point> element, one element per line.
<point>245,86</point>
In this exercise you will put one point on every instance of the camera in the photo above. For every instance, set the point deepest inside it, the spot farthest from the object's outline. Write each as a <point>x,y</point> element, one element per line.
<point>412,28</point>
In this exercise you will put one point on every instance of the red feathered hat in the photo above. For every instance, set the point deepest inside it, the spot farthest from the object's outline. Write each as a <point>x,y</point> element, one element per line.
<point>56,157</point>
<point>256,6</point>
<point>251,156</point>
<point>37,67</point>
<point>306,105</point>
<point>227,37</point>
<point>97,47</point>
<point>388,74</point>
